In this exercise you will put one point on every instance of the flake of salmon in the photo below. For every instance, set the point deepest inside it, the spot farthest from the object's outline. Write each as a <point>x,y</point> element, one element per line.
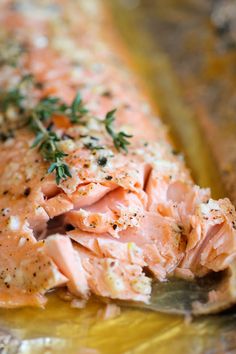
<point>212,241</point>
<point>60,249</point>
<point>112,278</point>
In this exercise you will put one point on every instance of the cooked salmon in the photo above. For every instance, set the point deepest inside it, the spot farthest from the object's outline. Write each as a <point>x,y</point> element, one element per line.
<point>93,196</point>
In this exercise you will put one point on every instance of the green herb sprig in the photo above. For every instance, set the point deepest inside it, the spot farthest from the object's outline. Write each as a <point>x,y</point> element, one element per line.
<point>119,139</point>
<point>52,105</point>
<point>46,141</point>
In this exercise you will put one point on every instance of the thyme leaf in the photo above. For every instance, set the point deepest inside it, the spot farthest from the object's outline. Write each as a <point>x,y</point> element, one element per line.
<point>78,109</point>
<point>62,170</point>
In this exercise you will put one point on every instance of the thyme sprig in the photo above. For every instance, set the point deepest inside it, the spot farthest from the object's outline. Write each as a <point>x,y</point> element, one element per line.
<point>53,105</point>
<point>119,139</point>
<point>47,143</point>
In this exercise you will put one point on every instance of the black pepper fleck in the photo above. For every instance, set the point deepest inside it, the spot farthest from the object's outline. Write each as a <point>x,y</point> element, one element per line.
<point>102,161</point>
<point>27,191</point>
<point>107,94</point>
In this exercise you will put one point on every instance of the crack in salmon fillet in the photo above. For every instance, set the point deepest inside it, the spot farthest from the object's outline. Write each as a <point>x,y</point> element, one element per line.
<point>121,218</point>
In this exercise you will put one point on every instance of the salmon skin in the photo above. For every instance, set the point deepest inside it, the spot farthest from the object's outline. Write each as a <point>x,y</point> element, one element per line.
<point>93,196</point>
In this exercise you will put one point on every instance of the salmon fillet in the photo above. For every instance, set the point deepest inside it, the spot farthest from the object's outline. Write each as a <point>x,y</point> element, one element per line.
<point>93,196</point>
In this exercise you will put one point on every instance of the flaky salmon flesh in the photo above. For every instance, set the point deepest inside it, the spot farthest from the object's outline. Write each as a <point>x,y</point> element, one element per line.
<point>94,198</point>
